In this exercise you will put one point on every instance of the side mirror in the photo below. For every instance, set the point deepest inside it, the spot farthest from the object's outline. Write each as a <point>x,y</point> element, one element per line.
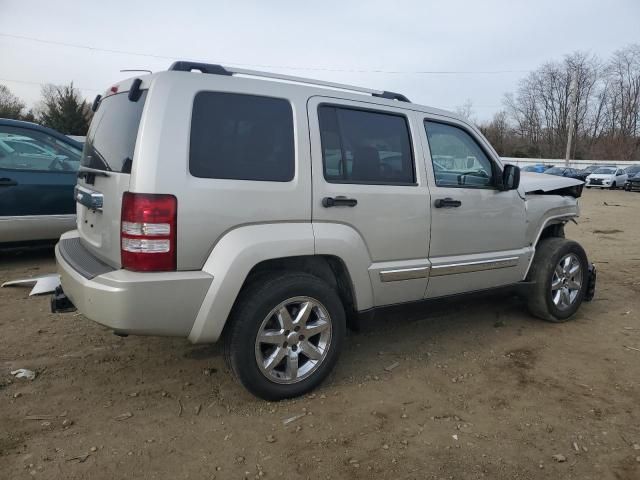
<point>510,177</point>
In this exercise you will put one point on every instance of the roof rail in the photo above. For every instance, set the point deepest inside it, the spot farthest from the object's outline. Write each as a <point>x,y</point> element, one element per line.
<point>213,69</point>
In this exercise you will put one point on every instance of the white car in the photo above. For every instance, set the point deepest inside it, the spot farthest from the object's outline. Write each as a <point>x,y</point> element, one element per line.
<point>607,177</point>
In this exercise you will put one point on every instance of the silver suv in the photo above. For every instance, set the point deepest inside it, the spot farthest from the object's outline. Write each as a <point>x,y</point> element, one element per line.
<point>270,211</point>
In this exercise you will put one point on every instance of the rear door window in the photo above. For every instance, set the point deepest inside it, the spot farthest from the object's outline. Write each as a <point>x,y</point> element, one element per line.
<point>241,137</point>
<point>362,146</point>
<point>112,135</point>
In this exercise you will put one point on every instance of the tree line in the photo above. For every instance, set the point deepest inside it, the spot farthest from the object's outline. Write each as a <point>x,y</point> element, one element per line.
<point>534,121</point>
<point>60,107</point>
<point>536,118</point>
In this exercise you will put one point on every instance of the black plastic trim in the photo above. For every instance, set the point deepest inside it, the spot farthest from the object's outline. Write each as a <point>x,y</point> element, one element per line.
<point>392,96</point>
<point>134,91</point>
<point>81,260</point>
<point>210,68</point>
<point>96,103</point>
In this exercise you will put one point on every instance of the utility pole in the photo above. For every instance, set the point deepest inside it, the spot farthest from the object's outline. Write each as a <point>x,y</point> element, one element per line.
<point>572,115</point>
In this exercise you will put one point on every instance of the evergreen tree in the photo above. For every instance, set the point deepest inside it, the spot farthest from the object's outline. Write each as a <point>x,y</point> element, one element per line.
<point>64,110</point>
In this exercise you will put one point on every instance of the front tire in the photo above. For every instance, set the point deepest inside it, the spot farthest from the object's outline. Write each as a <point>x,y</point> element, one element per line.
<point>285,335</point>
<point>614,186</point>
<point>559,276</point>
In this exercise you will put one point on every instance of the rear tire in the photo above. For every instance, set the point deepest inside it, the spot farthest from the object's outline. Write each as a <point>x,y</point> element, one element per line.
<point>285,335</point>
<point>559,276</point>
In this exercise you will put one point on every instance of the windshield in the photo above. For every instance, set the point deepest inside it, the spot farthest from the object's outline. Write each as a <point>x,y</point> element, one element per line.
<point>605,171</point>
<point>632,170</point>
<point>555,171</point>
<point>112,135</point>
<point>530,168</point>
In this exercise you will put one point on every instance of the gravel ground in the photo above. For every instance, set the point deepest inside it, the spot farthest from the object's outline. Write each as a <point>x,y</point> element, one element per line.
<point>480,389</point>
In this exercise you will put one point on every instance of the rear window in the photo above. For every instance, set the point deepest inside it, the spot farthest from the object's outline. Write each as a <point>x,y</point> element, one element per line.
<point>112,135</point>
<point>241,137</point>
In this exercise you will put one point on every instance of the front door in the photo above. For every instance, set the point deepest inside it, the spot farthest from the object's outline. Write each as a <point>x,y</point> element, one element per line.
<point>37,176</point>
<point>371,194</point>
<point>477,230</point>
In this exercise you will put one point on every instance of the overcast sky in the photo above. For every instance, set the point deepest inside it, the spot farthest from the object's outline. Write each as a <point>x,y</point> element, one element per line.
<point>377,44</point>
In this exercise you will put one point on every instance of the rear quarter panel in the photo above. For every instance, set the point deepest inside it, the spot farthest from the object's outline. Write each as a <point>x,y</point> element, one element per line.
<point>208,208</point>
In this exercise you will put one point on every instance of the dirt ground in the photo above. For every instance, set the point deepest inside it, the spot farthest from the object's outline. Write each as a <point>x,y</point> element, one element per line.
<point>481,389</point>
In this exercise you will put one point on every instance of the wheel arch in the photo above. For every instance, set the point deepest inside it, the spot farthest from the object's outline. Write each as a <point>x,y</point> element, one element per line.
<point>246,253</point>
<point>550,228</point>
<point>329,268</point>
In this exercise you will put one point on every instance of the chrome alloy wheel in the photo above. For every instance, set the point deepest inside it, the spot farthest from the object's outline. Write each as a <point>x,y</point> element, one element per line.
<point>293,340</point>
<point>566,281</point>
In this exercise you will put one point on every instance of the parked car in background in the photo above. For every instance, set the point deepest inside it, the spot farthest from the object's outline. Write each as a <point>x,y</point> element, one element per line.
<point>632,170</point>
<point>222,227</point>
<point>592,168</point>
<point>607,177</point>
<point>38,168</point>
<point>539,168</point>
<point>633,183</point>
<point>567,172</point>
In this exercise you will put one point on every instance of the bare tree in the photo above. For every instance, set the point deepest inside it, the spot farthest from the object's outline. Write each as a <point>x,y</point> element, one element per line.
<point>10,105</point>
<point>466,111</point>
<point>540,109</point>
<point>498,132</point>
<point>621,104</point>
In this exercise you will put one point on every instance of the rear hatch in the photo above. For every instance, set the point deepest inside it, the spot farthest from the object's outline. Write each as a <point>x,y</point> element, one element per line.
<point>105,171</point>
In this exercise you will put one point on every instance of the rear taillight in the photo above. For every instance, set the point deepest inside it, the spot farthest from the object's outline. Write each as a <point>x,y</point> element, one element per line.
<point>148,232</point>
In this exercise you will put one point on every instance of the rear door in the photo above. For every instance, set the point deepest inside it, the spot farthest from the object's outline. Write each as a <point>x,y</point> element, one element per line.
<point>105,172</point>
<point>365,178</point>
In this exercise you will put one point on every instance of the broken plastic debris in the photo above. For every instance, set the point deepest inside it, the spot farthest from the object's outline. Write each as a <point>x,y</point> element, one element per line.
<point>293,419</point>
<point>123,416</point>
<point>24,373</point>
<point>392,366</point>
<point>41,284</point>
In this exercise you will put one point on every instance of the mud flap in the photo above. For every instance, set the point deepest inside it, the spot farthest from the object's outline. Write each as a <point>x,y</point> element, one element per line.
<point>60,303</point>
<point>591,283</point>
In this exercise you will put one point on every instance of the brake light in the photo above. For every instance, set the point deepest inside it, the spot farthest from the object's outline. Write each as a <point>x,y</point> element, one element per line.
<point>148,232</point>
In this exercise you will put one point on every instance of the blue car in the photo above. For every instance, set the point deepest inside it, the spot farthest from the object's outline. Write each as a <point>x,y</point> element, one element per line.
<point>38,169</point>
<point>538,168</point>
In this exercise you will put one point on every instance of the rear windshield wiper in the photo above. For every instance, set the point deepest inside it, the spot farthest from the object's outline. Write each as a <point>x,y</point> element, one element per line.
<point>89,174</point>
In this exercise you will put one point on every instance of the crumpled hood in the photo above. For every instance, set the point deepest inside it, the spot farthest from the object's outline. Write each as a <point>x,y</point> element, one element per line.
<point>542,182</point>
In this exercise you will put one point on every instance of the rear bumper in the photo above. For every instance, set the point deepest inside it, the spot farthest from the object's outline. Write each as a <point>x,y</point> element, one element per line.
<point>164,303</point>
